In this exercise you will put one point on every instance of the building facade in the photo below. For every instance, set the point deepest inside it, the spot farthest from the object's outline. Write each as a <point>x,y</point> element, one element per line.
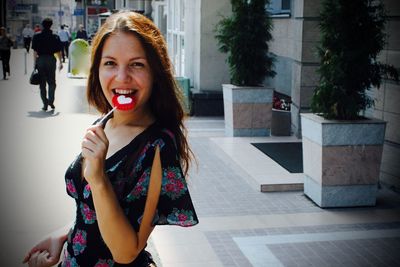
<point>18,13</point>
<point>188,26</point>
<point>194,52</point>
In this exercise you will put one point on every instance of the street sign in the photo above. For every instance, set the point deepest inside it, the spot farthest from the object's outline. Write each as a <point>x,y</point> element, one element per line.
<point>60,13</point>
<point>78,11</point>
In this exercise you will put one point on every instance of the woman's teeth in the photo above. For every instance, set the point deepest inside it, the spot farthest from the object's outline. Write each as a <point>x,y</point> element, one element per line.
<point>124,92</point>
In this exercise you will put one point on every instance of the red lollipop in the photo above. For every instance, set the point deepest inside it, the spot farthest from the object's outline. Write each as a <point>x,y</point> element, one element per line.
<point>120,102</point>
<point>123,102</point>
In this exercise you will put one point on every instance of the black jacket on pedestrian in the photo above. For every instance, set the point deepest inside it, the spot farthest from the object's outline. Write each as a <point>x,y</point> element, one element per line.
<point>5,52</point>
<point>46,43</point>
<point>81,34</point>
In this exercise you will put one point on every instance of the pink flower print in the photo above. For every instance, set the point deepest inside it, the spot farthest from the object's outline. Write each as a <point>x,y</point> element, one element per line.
<point>179,185</point>
<point>170,175</point>
<point>141,187</point>
<point>89,216</point>
<point>71,188</point>
<point>173,183</point>
<point>68,260</point>
<point>104,263</point>
<point>169,188</point>
<point>86,191</point>
<point>182,217</point>
<point>79,242</point>
<point>137,190</point>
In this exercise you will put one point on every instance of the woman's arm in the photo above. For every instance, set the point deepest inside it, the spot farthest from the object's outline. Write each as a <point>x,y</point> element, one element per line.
<point>47,252</point>
<point>118,234</point>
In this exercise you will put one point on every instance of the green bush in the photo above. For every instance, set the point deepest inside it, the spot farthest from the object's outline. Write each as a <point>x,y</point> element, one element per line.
<point>352,35</point>
<point>244,36</point>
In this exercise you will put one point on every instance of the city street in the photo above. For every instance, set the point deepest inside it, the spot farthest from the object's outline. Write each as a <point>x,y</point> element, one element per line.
<point>239,225</point>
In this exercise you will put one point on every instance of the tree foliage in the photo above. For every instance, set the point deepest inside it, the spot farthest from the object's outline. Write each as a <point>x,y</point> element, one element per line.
<point>352,35</point>
<point>244,36</point>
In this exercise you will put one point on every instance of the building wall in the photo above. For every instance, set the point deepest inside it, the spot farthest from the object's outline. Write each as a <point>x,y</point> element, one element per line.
<point>210,66</point>
<point>294,45</point>
<point>387,100</point>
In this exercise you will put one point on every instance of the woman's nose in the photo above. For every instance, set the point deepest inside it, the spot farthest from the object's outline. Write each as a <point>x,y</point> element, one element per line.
<point>122,74</point>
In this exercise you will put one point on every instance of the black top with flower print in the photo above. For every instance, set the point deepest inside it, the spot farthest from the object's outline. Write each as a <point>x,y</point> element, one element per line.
<point>129,172</point>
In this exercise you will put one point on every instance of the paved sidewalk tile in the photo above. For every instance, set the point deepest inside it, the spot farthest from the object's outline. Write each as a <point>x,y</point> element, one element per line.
<point>335,245</point>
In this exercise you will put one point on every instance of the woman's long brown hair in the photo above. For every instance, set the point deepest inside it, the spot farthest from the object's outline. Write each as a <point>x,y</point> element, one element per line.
<point>166,99</point>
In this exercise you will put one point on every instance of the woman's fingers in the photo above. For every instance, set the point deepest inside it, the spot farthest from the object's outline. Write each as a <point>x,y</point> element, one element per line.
<point>99,132</point>
<point>40,259</point>
<point>30,253</point>
<point>33,260</point>
<point>26,258</point>
<point>93,145</point>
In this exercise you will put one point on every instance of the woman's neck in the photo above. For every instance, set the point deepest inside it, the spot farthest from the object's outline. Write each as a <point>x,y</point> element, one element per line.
<point>137,119</point>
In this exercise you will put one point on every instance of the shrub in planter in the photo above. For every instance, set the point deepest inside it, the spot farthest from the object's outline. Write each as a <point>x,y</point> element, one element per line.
<point>352,35</point>
<point>244,36</point>
<point>341,149</point>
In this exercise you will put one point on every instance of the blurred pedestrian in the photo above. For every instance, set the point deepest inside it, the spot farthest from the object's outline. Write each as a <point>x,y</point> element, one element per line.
<point>130,174</point>
<point>46,44</point>
<point>81,33</point>
<point>64,38</point>
<point>5,51</point>
<point>27,34</point>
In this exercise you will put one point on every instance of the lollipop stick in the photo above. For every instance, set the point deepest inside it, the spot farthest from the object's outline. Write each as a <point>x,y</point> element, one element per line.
<point>106,117</point>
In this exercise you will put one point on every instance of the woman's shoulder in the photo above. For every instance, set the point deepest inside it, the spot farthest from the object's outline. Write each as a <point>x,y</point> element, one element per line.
<point>161,135</point>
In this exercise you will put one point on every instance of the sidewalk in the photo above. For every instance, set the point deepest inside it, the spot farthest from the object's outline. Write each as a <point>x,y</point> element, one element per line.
<point>239,225</point>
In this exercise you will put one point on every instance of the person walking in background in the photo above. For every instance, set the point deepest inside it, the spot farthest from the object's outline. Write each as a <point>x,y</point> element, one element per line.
<point>27,34</point>
<point>45,44</point>
<point>81,33</point>
<point>130,174</point>
<point>5,51</point>
<point>64,38</point>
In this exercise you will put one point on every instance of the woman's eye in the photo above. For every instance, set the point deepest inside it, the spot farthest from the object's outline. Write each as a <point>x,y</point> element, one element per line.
<point>137,65</point>
<point>109,63</point>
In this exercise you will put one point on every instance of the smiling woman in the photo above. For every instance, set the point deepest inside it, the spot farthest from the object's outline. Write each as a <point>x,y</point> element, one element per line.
<point>124,70</point>
<point>130,175</point>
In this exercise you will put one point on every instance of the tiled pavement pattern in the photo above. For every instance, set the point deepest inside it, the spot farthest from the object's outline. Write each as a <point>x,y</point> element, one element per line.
<point>347,252</point>
<point>223,191</point>
<point>220,182</point>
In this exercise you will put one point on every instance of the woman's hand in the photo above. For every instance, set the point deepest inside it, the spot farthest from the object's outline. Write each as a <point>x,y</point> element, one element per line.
<point>94,151</point>
<point>46,253</point>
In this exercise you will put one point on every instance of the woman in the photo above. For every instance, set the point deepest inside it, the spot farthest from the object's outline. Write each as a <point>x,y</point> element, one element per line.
<point>128,177</point>
<point>5,51</point>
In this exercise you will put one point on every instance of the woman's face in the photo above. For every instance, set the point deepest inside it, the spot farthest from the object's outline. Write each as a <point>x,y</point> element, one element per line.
<point>124,70</point>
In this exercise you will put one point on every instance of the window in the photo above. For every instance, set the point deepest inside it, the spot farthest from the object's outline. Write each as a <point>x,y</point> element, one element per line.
<point>159,15</point>
<point>176,34</point>
<point>279,8</point>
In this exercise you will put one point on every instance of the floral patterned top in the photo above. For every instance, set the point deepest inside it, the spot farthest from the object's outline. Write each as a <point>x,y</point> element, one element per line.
<point>129,172</point>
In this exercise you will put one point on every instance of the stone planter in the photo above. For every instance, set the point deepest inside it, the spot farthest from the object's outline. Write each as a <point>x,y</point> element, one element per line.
<point>247,110</point>
<point>281,122</point>
<point>341,160</point>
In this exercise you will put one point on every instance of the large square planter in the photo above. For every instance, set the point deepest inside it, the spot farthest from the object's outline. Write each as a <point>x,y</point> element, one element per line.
<point>247,110</point>
<point>341,160</point>
<point>281,122</point>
